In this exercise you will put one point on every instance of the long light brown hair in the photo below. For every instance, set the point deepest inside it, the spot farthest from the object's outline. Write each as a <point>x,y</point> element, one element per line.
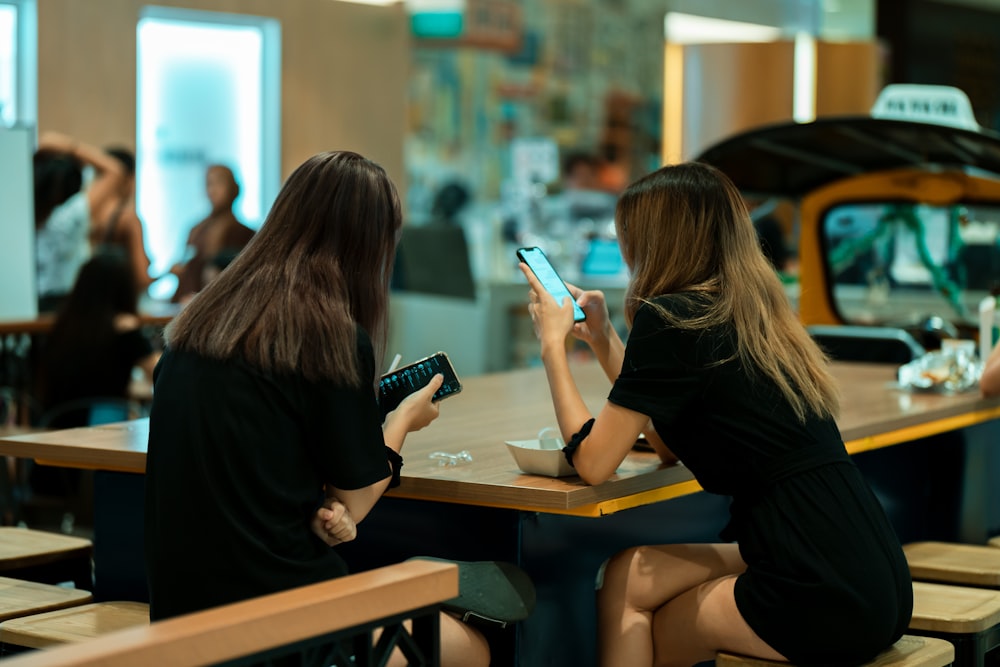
<point>319,266</point>
<point>684,229</point>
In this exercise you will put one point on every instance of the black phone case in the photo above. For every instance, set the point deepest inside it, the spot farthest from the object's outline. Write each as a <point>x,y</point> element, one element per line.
<point>400,383</point>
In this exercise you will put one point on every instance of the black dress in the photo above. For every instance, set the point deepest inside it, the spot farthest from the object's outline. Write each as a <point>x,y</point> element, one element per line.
<point>826,582</point>
<point>237,459</point>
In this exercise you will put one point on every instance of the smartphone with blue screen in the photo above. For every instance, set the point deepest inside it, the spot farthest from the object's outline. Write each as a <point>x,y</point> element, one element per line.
<point>396,385</point>
<point>550,280</point>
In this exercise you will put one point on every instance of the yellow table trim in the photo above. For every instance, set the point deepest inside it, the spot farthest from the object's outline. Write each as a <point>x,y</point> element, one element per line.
<point>910,433</point>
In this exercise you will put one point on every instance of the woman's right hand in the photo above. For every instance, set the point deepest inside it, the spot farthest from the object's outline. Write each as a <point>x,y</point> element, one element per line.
<point>596,329</point>
<point>419,409</point>
<point>333,523</point>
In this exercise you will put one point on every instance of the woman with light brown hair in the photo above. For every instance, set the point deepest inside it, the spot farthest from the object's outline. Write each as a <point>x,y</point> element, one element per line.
<point>265,418</point>
<point>719,372</point>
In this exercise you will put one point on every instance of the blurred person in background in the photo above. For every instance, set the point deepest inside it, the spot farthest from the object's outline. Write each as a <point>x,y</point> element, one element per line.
<point>84,370</point>
<point>65,210</point>
<point>96,340</point>
<point>117,222</point>
<point>221,230</point>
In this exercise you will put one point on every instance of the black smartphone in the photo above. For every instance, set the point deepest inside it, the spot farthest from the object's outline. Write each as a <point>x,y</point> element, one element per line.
<point>396,385</point>
<point>546,274</point>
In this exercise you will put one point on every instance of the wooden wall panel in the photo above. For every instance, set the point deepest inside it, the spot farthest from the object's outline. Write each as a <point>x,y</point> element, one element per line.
<point>729,88</point>
<point>344,73</point>
<point>849,76</point>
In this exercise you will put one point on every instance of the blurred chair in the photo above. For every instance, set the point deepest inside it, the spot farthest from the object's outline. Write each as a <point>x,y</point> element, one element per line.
<point>887,345</point>
<point>433,305</point>
<point>434,259</point>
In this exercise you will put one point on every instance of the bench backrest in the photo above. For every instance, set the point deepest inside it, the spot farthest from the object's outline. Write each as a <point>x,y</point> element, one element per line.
<point>271,621</point>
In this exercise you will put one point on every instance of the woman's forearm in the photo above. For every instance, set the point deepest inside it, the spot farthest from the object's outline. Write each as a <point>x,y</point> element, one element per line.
<point>571,411</point>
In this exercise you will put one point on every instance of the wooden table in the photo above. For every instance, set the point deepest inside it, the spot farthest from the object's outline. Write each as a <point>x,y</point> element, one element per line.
<point>514,406</point>
<point>157,315</point>
<point>488,509</point>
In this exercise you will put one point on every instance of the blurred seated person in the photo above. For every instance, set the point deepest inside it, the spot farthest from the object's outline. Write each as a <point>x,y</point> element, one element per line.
<point>612,171</point>
<point>117,222</point>
<point>96,340</point>
<point>83,376</point>
<point>434,258</point>
<point>65,210</point>
<point>580,196</point>
<point>221,230</point>
<point>580,171</point>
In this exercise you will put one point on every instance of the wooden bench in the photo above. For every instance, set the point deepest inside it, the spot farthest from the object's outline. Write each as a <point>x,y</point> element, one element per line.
<point>967,617</point>
<point>347,609</point>
<point>75,624</point>
<point>953,563</point>
<point>909,651</point>
<point>21,598</point>
<point>47,557</point>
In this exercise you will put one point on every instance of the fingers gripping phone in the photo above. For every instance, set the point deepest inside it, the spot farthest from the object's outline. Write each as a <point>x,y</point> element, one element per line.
<point>546,274</point>
<point>396,385</point>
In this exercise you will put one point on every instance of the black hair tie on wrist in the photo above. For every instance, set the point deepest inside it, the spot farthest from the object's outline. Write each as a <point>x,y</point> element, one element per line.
<point>396,462</point>
<point>574,442</point>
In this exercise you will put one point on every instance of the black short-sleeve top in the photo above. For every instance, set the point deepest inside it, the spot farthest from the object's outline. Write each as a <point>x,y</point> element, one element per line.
<point>236,466</point>
<point>727,423</point>
<point>822,559</point>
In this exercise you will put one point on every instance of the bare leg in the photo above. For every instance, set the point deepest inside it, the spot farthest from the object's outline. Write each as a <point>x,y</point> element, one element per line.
<point>640,580</point>
<point>461,645</point>
<point>696,624</point>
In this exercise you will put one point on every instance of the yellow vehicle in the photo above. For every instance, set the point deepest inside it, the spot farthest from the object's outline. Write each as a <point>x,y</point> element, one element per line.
<point>897,221</point>
<point>896,228</point>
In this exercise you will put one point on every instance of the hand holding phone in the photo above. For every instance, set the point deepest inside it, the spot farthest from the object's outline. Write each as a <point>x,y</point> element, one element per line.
<point>396,385</point>
<point>550,280</point>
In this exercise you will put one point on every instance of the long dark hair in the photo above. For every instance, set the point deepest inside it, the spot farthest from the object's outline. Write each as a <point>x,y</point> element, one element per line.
<point>85,324</point>
<point>58,177</point>
<point>318,268</point>
<point>684,229</point>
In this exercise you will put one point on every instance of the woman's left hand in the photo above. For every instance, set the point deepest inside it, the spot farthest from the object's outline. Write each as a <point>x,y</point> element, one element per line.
<point>552,321</point>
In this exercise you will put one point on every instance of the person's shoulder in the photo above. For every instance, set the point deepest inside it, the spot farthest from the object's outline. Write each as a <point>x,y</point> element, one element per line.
<point>692,304</point>
<point>679,304</point>
<point>72,213</point>
<point>668,311</point>
<point>77,205</point>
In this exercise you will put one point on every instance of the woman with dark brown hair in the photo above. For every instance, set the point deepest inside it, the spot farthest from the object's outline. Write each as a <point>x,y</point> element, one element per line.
<point>719,371</point>
<point>264,403</point>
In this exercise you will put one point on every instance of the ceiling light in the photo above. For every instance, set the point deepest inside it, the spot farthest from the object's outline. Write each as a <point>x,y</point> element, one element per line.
<point>690,29</point>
